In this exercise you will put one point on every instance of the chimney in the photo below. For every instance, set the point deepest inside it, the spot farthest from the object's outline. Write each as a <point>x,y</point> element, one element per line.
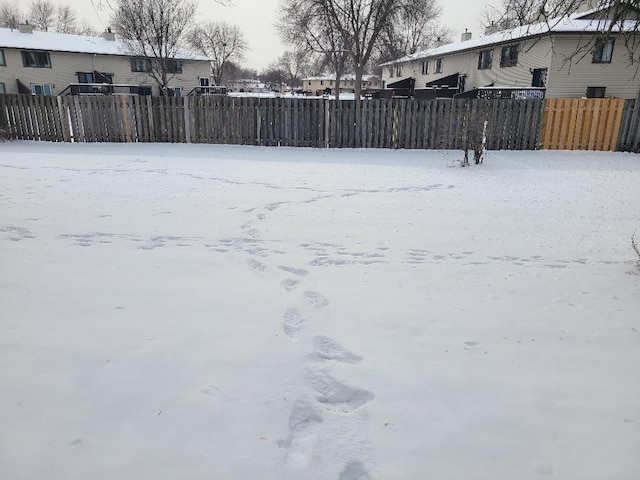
<point>466,36</point>
<point>109,35</point>
<point>493,28</point>
<point>438,42</point>
<point>25,28</point>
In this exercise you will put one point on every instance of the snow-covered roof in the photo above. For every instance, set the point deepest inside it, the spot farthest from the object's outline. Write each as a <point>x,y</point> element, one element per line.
<point>64,42</point>
<point>558,25</point>
<point>347,76</point>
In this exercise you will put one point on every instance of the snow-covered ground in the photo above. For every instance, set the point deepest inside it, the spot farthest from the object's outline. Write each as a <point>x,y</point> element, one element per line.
<point>208,312</point>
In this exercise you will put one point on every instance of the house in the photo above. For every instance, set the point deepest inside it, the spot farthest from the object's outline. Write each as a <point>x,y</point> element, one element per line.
<point>326,84</point>
<point>45,63</point>
<point>532,61</point>
<point>248,85</point>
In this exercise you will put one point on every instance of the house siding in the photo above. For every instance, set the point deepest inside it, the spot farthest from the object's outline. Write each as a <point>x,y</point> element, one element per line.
<point>570,78</point>
<point>565,78</point>
<point>64,68</point>
<point>532,54</point>
<point>314,85</point>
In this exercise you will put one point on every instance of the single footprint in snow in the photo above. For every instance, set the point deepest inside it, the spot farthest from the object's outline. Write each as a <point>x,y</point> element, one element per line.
<point>471,345</point>
<point>256,266</point>
<point>316,299</point>
<point>254,233</point>
<point>301,272</point>
<point>261,216</point>
<point>210,390</point>
<point>290,284</point>
<point>354,470</point>
<point>292,323</point>
<point>336,394</point>
<point>304,423</point>
<point>328,349</point>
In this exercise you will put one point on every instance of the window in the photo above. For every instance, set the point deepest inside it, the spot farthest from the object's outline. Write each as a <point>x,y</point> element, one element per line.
<point>603,51</point>
<point>175,91</point>
<point>439,65</point>
<point>309,82</point>
<point>3,62</point>
<point>509,56</point>
<point>103,77</point>
<point>144,90</point>
<point>36,59</point>
<point>331,82</point>
<point>41,89</point>
<point>140,64</point>
<point>321,82</point>
<point>539,77</point>
<point>485,59</point>
<point>425,67</point>
<point>2,89</point>
<point>391,72</point>
<point>174,66</point>
<point>399,71</point>
<point>86,77</point>
<point>596,92</point>
<point>462,82</point>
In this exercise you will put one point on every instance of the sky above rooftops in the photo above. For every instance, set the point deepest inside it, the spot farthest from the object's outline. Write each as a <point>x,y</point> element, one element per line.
<point>256,17</point>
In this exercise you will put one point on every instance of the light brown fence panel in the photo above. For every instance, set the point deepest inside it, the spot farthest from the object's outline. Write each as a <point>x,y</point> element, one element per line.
<point>581,124</point>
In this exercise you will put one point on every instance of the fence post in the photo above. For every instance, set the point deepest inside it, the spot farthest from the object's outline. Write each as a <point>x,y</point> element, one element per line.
<point>258,122</point>
<point>4,117</point>
<point>326,123</point>
<point>187,119</point>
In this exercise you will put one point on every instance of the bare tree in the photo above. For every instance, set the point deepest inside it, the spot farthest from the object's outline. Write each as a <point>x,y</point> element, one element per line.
<point>42,14</point>
<point>86,29</point>
<point>10,16</point>
<point>307,25</point>
<point>293,64</point>
<point>415,28</point>
<point>221,42</point>
<point>65,19</point>
<point>517,13</point>
<point>154,30</point>
<point>357,24</point>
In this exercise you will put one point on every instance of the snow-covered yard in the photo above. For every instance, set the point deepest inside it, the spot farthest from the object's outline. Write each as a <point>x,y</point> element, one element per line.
<point>208,312</point>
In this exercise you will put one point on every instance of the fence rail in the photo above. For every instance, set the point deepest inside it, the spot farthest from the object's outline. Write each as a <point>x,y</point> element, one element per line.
<point>382,123</point>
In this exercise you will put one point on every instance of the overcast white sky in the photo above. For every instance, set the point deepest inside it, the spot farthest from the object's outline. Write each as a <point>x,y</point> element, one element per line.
<point>256,17</point>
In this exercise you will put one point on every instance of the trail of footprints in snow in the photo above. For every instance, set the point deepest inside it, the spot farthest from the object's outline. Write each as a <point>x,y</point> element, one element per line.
<point>328,395</point>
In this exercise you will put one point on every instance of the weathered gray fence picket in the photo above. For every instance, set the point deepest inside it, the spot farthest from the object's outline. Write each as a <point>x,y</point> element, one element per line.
<point>629,139</point>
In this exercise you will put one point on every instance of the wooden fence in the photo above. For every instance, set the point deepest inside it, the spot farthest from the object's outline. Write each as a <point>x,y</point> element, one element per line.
<point>630,132</point>
<point>385,123</point>
<point>581,124</point>
<point>594,124</point>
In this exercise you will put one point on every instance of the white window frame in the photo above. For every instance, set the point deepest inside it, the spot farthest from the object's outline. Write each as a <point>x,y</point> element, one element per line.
<point>3,89</point>
<point>178,89</point>
<point>425,67</point>
<point>43,87</point>
<point>3,60</point>
<point>439,67</point>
